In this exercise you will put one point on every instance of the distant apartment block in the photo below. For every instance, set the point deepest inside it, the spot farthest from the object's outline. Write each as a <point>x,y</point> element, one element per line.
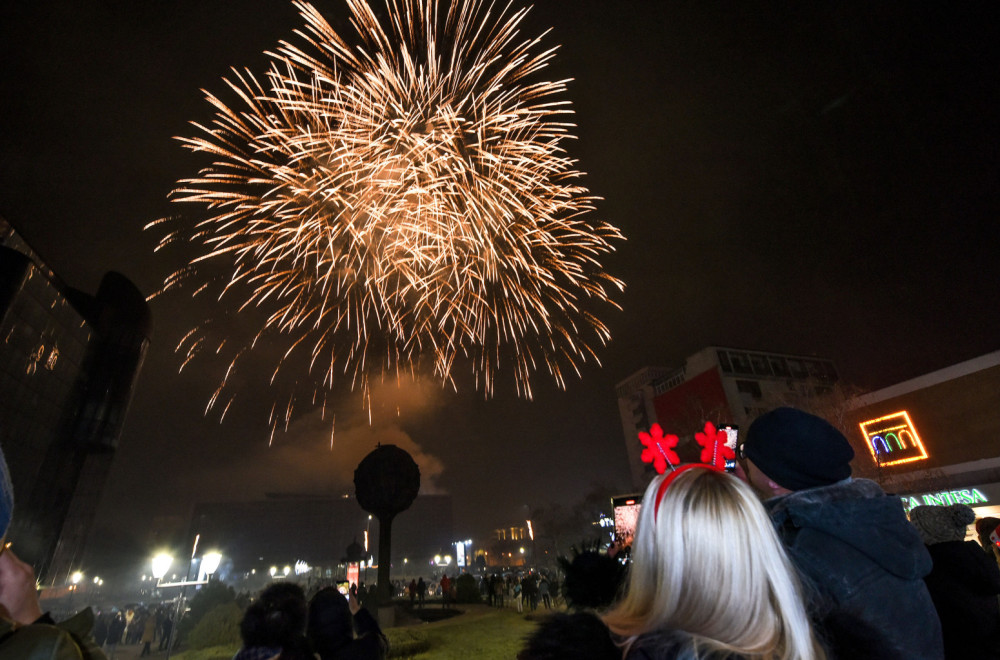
<point>718,384</point>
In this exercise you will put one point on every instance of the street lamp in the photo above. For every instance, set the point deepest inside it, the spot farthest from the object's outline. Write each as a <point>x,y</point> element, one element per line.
<point>161,564</point>
<point>210,563</point>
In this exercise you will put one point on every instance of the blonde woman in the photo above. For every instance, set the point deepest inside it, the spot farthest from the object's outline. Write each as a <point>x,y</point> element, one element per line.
<point>709,579</point>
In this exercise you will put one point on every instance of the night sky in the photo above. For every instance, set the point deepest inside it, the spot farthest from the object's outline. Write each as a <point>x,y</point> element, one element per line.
<point>810,178</point>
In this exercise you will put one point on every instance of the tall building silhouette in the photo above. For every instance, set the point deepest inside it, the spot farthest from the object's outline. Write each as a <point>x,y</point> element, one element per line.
<point>68,366</point>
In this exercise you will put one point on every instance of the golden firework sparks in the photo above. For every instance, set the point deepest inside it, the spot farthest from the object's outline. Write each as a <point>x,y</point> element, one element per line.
<point>402,200</point>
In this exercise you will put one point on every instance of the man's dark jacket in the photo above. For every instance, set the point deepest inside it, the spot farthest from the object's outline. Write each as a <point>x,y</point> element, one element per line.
<point>964,585</point>
<point>863,565</point>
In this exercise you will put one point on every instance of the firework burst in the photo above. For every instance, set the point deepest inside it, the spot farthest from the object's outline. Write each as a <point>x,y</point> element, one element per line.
<point>402,201</point>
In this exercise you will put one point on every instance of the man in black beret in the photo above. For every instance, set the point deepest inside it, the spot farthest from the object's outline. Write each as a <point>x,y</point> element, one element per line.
<point>861,560</point>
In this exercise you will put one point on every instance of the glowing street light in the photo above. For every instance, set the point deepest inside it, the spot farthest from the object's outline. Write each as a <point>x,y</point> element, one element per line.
<point>210,563</point>
<point>161,564</point>
<point>76,577</point>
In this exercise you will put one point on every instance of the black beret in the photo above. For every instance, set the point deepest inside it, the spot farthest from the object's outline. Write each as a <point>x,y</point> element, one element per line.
<point>798,450</point>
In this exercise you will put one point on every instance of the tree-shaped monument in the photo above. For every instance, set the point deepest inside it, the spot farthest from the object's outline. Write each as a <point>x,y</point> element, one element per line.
<point>386,482</point>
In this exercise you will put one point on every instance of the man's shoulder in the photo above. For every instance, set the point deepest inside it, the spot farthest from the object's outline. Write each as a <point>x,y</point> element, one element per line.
<point>848,490</point>
<point>40,640</point>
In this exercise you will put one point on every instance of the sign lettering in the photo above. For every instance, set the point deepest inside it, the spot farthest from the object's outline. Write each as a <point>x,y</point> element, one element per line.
<point>970,496</point>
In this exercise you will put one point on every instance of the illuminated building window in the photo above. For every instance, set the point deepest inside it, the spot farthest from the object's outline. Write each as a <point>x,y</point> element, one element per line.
<point>893,439</point>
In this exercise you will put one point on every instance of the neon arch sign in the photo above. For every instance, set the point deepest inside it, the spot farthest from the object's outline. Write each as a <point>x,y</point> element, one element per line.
<point>893,439</point>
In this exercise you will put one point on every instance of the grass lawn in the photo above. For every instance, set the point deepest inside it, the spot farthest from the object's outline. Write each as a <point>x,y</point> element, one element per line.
<point>482,633</point>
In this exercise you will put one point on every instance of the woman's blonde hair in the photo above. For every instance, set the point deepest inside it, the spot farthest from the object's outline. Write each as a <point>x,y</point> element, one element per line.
<point>707,562</point>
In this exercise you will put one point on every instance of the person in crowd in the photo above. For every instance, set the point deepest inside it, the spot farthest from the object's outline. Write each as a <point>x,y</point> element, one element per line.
<point>709,579</point>
<point>985,527</point>
<point>332,622</point>
<point>499,589</point>
<point>421,591</point>
<point>166,627</point>
<point>543,591</point>
<point>116,630</point>
<point>131,624</point>
<point>413,592</point>
<point>445,590</point>
<point>274,625</point>
<point>25,631</point>
<point>529,591</point>
<point>964,582</point>
<point>101,628</point>
<point>148,633</point>
<point>862,560</point>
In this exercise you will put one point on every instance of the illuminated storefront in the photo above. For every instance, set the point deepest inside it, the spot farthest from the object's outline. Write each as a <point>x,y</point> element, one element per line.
<point>935,440</point>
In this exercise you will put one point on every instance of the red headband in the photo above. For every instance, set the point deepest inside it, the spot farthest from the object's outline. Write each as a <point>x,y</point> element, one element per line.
<point>673,475</point>
<point>659,450</point>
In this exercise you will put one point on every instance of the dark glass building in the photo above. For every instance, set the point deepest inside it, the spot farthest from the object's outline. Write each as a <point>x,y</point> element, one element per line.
<point>68,366</point>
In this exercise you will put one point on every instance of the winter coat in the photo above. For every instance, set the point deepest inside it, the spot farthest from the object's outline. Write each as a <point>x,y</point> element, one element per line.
<point>964,585</point>
<point>115,630</point>
<point>148,630</point>
<point>863,565</point>
<point>44,640</point>
<point>370,644</point>
<point>583,636</point>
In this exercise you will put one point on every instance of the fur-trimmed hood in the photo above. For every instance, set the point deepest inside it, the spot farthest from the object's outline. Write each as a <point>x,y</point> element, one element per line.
<point>858,513</point>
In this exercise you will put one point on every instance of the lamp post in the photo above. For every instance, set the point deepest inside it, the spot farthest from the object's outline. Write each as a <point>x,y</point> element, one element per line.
<point>161,564</point>
<point>75,580</point>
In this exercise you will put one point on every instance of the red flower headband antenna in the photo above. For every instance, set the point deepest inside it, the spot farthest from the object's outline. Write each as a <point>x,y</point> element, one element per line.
<point>714,450</point>
<point>659,449</point>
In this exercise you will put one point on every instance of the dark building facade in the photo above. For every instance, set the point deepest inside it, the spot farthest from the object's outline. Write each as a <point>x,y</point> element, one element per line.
<point>68,366</point>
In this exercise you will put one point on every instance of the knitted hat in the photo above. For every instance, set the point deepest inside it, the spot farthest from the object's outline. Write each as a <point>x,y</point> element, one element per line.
<point>798,450</point>
<point>6,497</point>
<point>938,524</point>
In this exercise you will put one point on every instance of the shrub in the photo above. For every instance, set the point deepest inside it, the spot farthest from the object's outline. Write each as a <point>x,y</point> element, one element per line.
<point>220,626</point>
<point>466,589</point>
<point>209,597</point>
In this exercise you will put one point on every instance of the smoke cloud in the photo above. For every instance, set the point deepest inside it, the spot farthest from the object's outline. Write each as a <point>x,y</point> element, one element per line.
<point>318,456</point>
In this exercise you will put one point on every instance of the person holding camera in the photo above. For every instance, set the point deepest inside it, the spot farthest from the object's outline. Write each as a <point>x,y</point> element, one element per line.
<point>26,633</point>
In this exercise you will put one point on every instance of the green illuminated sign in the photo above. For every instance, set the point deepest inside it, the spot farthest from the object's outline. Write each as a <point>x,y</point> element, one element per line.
<point>970,496</point>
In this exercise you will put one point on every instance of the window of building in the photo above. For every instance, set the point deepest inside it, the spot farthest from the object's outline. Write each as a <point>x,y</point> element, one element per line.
<point>798,369</point>
<point>741,363</point>
<point>760,366</point>
<point>749,387</point>
<point>779,368</point>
